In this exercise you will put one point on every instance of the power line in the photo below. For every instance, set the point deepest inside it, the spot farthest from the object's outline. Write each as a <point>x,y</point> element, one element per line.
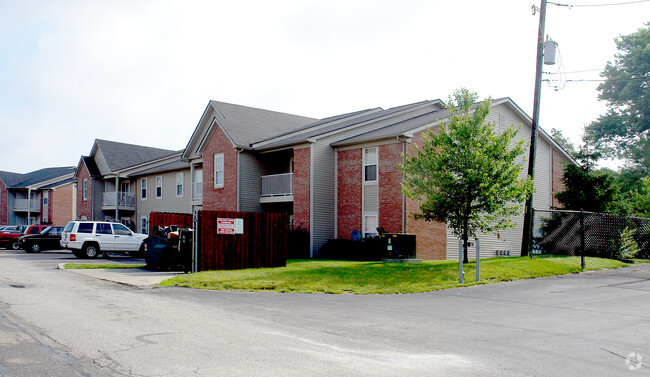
<point>599,5</point>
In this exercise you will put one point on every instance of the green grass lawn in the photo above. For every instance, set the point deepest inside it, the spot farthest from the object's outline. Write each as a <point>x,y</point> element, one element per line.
<point>90,266</point>
<point>318,276</point>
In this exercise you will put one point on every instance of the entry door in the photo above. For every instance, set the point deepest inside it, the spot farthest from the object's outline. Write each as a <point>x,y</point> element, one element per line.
<point>125,240</point>
<point>104,234</point>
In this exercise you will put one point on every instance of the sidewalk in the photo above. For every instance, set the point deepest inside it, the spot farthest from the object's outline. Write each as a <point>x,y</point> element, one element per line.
<point>130,276</point>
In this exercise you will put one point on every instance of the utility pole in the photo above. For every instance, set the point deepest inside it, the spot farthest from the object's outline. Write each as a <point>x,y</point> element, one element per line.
<point>528,216</point>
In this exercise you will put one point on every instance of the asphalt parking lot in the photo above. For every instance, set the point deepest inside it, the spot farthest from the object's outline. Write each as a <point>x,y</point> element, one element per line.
<point>590,324</point>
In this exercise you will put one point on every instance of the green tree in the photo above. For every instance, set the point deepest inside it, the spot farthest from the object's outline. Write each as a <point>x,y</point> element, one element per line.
<point>623,131</point>
<point>641,199</point>
<point>589,191</point>
<point>467,174</point>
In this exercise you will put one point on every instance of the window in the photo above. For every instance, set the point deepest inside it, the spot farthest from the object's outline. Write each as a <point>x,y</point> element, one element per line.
<point>85,188</point>
<point>179,184</point>
<point>103,228</point>
<point>144,229</point>
<point>370,165</point>
<point>85,228</point>
<point>45,207</point>
<point>143,188</point>
<point>369,225</point>
<point>159,187</point>
<point>121,230</point>
<point>218,170</point>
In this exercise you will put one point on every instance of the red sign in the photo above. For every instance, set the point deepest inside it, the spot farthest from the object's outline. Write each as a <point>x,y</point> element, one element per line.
<point>225,226</point>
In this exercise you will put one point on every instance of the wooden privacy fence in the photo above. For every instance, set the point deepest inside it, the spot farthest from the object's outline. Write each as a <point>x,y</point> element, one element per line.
<point>262,242</point>
<point>163,219</point>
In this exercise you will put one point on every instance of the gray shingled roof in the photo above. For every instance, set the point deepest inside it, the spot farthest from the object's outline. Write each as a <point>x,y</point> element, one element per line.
<point>247,125</point>
<point>35,177</point>
<point>121,155</point>
<point>353,119</point>
<point>175,165</point>
<point>59,183</point>
<point>396,129</point>
<point>10,179</point>
<point>399,128</point>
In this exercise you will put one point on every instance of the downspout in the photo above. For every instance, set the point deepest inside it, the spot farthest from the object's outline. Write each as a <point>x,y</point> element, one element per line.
<point>117,199</point>
<point>239,150</point>
<point>403,196</point>
<point>92,199</point>
<point>29,199</point>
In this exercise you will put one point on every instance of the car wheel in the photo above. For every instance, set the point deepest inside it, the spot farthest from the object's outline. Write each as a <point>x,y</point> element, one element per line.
<point>35,247</point>
<point>139,253</point>
<point>91,251</point>
<point>15,245</point>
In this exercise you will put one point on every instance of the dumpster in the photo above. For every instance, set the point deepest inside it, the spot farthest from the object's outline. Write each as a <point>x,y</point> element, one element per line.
<point>169,249</point>
<point>399,245</point>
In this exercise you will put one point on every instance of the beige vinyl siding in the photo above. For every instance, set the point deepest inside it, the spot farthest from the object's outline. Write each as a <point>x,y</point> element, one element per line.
<point>169,202</point>
<point>251,171</point>
<point>510,239</point>
<point>322,196</point>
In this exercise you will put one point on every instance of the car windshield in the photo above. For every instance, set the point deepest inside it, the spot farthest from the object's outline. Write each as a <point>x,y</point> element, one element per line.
<point>46,230</point>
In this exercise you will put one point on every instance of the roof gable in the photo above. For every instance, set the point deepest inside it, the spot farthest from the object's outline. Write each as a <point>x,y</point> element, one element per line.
<point>110,156</point>
<point>243,125</point>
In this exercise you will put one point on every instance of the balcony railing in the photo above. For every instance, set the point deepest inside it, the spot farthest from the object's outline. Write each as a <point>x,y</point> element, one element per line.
<point>24,205</point>
<point>277,188</point>
<point>197,191</point>
<point>125,199</point>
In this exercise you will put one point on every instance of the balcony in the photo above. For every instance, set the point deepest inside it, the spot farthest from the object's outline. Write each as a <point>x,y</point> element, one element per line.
<point>277,188</point>
<point>197,191</point>
<point>126,200</point>
<point>27,205</point>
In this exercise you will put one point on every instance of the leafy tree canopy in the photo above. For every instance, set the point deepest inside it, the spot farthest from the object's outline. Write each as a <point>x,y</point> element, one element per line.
<point>589,191</point>
<point>467,174</point>
<point>624,130</point>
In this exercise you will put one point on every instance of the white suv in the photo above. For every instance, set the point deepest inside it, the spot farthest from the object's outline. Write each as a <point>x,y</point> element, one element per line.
<point>88,239</point>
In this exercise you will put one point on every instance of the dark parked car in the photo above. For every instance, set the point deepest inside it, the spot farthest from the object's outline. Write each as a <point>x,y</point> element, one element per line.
<point>48,239</point>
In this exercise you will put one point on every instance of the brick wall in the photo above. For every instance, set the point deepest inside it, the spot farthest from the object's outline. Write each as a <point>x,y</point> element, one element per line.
<point>84,207</point>
<point>61,204</point>
<point>558,164</point>
<point>224,198</point>
<point>301,187</point>
<point>390,187</point>
<point>431,236</point>
<point>349,196</point>
<point>3,204</point>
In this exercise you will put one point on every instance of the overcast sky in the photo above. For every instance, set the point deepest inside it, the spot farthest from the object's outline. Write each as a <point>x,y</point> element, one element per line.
<point>142,72</point>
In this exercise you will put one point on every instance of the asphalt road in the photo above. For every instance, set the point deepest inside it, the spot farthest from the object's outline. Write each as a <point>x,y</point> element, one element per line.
<point>60,323</point>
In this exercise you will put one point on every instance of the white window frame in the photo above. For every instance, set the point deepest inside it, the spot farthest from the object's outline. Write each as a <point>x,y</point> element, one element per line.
<point>159,185</point>
<point>143,189</point>
<point>219,170</point>
<point>144,225</point>
<point>365,182</point>
<point>373,231</point>
<point>180,180</point>
<point>375,163</point>
<point>46,202</point>
<point>85,190</point>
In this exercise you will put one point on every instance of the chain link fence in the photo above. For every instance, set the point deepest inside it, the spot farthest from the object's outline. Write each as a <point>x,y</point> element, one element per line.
<point>596,238</point>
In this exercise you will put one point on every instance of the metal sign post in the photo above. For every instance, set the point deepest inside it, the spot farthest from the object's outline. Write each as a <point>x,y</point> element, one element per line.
<point>478,260</point>
<point>461,274</point>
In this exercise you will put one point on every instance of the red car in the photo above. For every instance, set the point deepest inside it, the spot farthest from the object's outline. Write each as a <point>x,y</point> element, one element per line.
<point>9,236</point>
